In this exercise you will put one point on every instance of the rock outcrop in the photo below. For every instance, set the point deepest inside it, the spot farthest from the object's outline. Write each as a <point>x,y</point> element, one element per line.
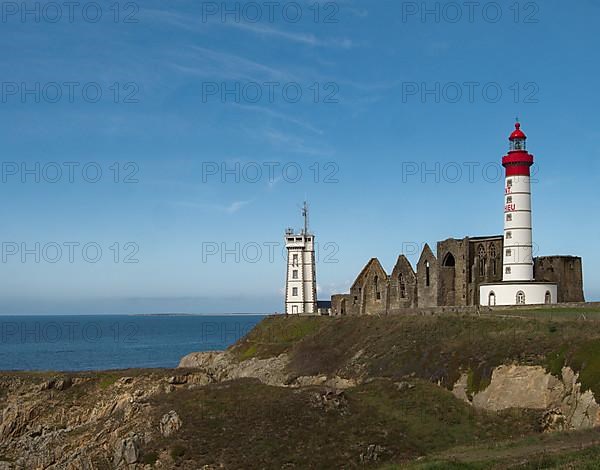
<point>217,367</point>
<point>170,423</point>
<point>531,387</point>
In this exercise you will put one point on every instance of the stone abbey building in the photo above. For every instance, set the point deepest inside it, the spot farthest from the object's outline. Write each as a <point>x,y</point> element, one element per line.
<point>488,271</point>
<point>451,277</point>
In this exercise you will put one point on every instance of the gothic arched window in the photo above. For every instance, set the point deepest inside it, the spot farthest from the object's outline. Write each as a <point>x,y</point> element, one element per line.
<point>481,260</point>
<point>493,258</point>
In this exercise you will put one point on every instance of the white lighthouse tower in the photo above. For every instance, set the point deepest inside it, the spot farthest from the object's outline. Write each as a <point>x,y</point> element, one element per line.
<point>301,280</point>
<point>518,286</point>
<point>518,240</point>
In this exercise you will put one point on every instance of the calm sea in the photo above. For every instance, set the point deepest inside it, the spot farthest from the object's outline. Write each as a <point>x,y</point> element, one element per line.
<point>100,342</point>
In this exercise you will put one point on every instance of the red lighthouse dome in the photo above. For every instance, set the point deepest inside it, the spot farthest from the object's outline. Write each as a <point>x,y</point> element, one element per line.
<point>517,133</point>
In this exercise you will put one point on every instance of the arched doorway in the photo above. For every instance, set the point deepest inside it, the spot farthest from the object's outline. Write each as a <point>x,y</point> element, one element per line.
<point>520,298</point>
<point>492,299</point>
<point>343,307</point>
<point>447,280</point>
<point>548,298</point>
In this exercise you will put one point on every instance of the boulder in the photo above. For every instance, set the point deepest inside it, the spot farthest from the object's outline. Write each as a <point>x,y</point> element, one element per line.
<point>127,450</point>
<point>170,423</point>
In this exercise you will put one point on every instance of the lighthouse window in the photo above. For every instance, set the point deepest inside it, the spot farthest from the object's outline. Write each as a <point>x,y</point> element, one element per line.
<point>295,260</point>
<point>509,200</point>
<point>508,235</point>
<point>509,252</point>
<point>295,274</point>
<point>508,217</point>
<point>294,291</point>
<point>509,183</point>
<point>508,270</point>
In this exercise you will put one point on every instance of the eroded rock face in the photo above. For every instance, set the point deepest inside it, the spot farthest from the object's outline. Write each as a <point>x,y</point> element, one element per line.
<point>521,387</point>
<point>220,366</point>
<point>531,387</point>
<point>39,429</point>
<point>213,367</point>
<point>170,423</point>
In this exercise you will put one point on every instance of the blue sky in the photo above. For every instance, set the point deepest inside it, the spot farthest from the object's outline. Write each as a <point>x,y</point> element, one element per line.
<point>368,122</point>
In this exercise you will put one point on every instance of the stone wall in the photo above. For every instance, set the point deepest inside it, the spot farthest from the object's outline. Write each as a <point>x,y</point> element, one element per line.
<point>402,286</point>
<point>427,279</point>
<point>485,256</point>
<point>452,282</point>
<point>566,271</point>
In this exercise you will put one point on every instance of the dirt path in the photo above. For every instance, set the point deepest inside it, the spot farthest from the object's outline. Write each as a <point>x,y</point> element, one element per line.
<point>523,450</point>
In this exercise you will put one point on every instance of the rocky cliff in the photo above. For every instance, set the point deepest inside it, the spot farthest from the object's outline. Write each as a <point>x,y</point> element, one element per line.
<point>299,393</point>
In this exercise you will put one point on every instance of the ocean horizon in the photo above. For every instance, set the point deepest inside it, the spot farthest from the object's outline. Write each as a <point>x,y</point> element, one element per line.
<point>88,342</point>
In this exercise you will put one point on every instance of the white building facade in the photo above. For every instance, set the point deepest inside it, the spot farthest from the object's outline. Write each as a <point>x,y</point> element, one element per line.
<point>518,286</point>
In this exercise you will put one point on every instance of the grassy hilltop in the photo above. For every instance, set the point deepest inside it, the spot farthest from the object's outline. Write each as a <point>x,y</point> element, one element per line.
<point>400,414</point>
<point>434,348</point>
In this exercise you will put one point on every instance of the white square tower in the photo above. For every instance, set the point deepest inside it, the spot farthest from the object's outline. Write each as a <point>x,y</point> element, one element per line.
<point>301,279</point>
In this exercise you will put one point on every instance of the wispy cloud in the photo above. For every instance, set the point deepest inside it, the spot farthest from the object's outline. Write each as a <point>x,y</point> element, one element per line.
<point>298,37</point>
<point>231,208</point>
<point>294,143</point>
<point>205,62</point>
<point>281,116</point>
<point>194,24</point>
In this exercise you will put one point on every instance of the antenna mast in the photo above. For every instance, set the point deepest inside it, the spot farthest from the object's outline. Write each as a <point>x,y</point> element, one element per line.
<point>305,215</point>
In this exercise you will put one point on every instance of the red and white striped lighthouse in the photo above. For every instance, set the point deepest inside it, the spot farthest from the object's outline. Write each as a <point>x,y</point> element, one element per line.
<point>518,286</point>
<point>518,240</point>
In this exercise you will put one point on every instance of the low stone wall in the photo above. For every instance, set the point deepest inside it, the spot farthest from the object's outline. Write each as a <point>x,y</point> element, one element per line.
<point>482,310</point>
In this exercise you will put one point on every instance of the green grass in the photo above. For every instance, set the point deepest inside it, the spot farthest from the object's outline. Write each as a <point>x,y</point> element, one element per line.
<point>555,362</point>
<point>476,382</point>
<point>583,357</point>
<point>107,379</point>
<point>245,424</point>
<point>586,361</point>
<point>274,336</point>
